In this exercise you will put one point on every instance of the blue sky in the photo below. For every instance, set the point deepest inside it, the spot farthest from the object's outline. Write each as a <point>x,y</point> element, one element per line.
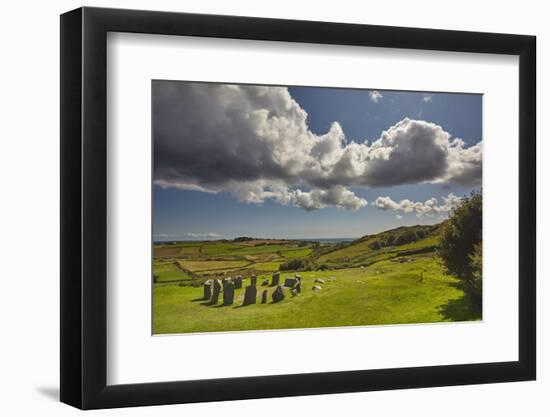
<point>225,164</point>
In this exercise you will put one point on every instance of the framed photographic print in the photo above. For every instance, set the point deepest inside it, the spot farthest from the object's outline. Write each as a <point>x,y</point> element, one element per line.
<point>258,208</point>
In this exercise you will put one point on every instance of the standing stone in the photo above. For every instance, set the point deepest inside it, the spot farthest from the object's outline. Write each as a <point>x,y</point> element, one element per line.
<point>228,293</point>
<point>298,287</point>
<point>278,294</point>
<point>238,282</point>
<point>207,287</point>
<point>291,282</point>
<point>275,279</point>
<point>249,295</point>
<point>217,288</point>
<point>298,277</point>
<point>264,296</point>
<point>253,280</point>
<point>265,282</point>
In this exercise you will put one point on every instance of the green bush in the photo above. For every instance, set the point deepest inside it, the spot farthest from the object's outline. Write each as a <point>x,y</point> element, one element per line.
<point>476,263</point>
<point>460,245</point>
<point>296,264</point>
<point>375,245</point>
<point>405,237</point>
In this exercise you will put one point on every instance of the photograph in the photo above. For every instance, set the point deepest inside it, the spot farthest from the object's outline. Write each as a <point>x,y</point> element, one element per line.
<point>295,207</point>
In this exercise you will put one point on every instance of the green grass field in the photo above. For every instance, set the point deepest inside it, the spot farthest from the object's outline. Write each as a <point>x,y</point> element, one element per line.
<point>363,285</point>
<point>169,272</point>
<point>387,294</point>
<point>200,265</point>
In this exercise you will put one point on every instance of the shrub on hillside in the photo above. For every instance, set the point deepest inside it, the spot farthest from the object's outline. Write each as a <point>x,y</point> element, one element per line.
<point>460,245</point>
<point>405,237</point>
<point>476,262</point>
<point>295,265</point>
<point>323,267</point>
<point>375,245</point>
<point>242,239</point>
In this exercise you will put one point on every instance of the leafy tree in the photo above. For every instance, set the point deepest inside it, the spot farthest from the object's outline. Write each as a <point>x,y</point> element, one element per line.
<point>476,262</point>
<point>460,245</point>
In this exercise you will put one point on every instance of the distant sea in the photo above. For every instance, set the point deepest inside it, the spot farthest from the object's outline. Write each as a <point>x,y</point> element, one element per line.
<point>307,239</point>
<point>328,240</point>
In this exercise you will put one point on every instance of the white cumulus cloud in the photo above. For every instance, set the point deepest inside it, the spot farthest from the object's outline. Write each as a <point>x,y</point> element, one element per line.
<point>375,96</point>
<point>429,207</point>
<point>208,235</point>
<point>254,143</point>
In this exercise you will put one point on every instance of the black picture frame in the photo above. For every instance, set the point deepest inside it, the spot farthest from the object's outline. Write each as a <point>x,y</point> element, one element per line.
<point>84,207</point>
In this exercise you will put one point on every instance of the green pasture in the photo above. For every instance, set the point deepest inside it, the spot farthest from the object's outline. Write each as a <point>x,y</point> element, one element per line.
<point>388,293</point>
<point>375,280</point>
<point>169,272</point>
<point>208,265</point>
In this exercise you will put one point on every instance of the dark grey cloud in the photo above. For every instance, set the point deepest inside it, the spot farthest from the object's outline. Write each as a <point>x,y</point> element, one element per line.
<point>254,142</point>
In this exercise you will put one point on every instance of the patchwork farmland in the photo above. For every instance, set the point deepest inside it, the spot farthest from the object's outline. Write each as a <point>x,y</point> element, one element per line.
<point>393,277</point>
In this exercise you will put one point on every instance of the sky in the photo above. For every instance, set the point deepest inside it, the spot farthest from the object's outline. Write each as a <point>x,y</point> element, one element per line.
<point>308,162</point>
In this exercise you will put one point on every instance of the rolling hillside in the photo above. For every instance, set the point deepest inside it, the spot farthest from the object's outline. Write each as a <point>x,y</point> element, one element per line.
<point>395,243</point>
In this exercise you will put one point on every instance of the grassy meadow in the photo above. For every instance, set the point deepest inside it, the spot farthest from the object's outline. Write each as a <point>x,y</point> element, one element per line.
<point>393,277</point>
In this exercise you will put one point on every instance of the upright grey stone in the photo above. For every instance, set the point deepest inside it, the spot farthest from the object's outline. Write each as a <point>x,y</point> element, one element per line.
<point>298,287</point>
<point>275,279</point>
<point>250,295</point>
<point>228,293</point>
<point>278,294</point>
<point>253,280</point>
<point>264,296</point>
<point>216,289</point>
<point>207,288</point>
<point>238,281</point>
<point>291,282</point>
